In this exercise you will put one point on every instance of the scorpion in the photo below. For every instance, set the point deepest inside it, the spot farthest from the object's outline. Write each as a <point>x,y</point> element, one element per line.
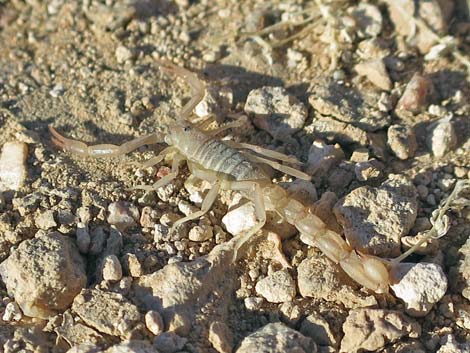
<point>228,166</point>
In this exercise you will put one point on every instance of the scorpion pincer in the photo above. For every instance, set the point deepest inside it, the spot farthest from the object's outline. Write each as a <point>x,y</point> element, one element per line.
<point>230,166</point>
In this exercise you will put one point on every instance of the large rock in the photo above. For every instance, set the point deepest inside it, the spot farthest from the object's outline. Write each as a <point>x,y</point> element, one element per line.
<point>277,287</point>
<point>44,274</point>
<point>375,219</point>
<point>349,106</point>
<point>276,111</point>
<point>107,312</point>
<point>372,329</point>
<point>420,286</point>
<point>179,290</point>
<point>277,338</point>
<point>320,278</point>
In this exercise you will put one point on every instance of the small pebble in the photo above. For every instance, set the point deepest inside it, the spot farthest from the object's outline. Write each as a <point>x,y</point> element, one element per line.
<point>198,233</point>
<point>417,95</point>
<point>45,220</point>
<point>240,219</point>
<point>112,270</point>
<point>402,141</point>
<point>122,214</point>
<point>154,322</point>
<point>322,157</point>
<point>253,303</point>
<point>376,73</point>
<point>123,54</point>
<point>442,139</point>
<point>12,312</point>
<point>132,265</point>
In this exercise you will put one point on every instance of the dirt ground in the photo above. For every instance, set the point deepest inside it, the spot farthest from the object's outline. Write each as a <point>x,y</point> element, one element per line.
<point>88,68</point>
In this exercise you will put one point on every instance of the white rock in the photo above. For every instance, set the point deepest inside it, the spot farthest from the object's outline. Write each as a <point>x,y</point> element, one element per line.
<point>420,286</point>
<point>216,102</point>
<point>442,138</point>
<point>278,287</point>
<point>253,303</point>
<point>12,165</point>
<point>368,19</point>
<point>123,54</point>
<point>154,322</point>
<point>112,270</point>
<point>12,312</point>
<point>240,219</point>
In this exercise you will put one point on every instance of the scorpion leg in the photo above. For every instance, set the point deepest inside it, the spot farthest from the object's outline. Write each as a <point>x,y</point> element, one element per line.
<point>260,211</point>
<point>205,207</point>
<point>191,79</point>
<point>264,152</point>
<point>157,159</point>
<point>283,168</point>
<point>167,178</point>
<point>102,150</point>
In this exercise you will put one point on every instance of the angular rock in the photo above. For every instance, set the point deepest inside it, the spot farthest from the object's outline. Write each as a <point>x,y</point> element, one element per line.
<point>277,338</point>
<point>349,106</point>
<point>451,345</point>
<point>318,329</point>
<point>240,219</point>
<point>13,165</point>
<point>336,131</point>
<point>371,169</point>
<point>277,287</point>
<point>420,286</point>
<point>376,72</point>
<point>319,278</point>
<point>322,157</point>
<point>179,289</point>
<point>276,111</point>
<point>419,92</point>
<point>107,312</point>
<point>372,329</point>
<point>76,333</point>
<point>112,270</point>
<point>442,138</point>
<point>44,274</point>
<point>402,141</point>
<point>374,219</point>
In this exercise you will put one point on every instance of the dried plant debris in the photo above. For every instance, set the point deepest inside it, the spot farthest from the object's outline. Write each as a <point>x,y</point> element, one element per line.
<point>369,98</point>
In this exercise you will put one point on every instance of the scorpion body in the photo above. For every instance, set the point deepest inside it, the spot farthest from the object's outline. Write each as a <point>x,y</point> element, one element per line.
<point>228,165</point>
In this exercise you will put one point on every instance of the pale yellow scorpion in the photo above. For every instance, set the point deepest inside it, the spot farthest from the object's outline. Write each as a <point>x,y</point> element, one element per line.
<point>227,166</point>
